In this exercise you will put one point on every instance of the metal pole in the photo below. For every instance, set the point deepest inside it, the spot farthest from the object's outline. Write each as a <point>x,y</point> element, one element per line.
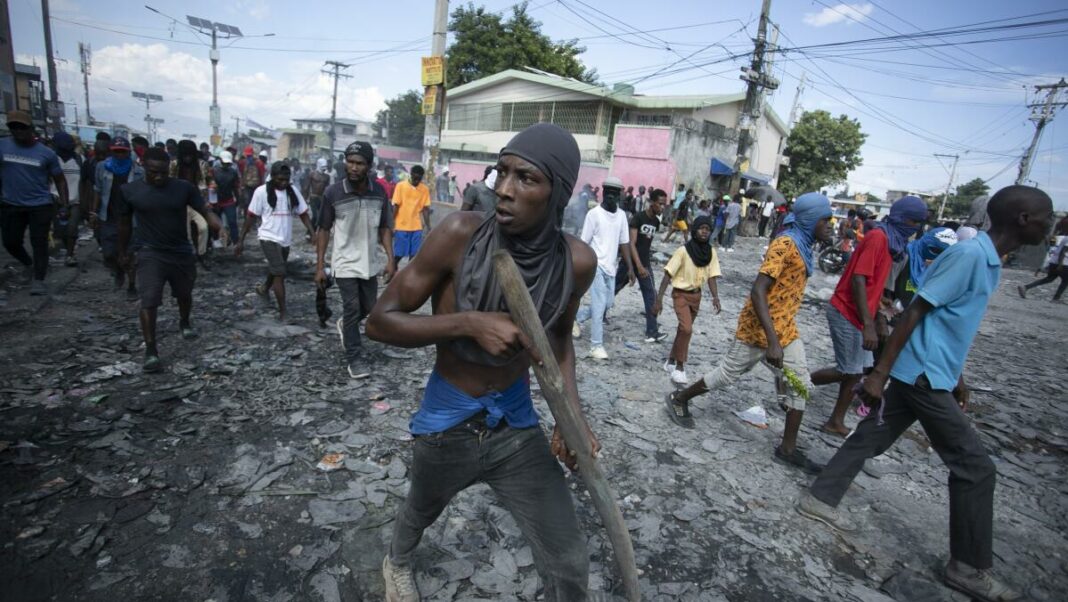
<point>432,127</point>
<point>55,120</point>
<point>1041,119</point>
<point>949,184</point>
<point>336,74</point>
<point>84,51</point>
<point>214,55</point>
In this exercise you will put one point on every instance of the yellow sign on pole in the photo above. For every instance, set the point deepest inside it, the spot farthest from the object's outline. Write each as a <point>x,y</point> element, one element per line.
<point>430,100</point>
<point>433,70</point>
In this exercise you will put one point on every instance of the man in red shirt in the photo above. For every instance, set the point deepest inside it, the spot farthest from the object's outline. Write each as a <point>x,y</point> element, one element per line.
<point>851,313</point>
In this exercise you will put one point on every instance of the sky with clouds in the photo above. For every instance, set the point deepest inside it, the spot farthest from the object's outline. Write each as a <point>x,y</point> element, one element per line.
<point>913,98</point>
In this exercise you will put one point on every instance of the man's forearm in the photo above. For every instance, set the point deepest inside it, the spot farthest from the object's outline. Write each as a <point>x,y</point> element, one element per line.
<point>385,238</point>
<point>858,284</point>
<point>900,336</point>
<point>61,188</point>
<point>322,241</point>
<point>626,258</point>
<point>665,281</point>
<point>408,330</point>
<point>712,288</point>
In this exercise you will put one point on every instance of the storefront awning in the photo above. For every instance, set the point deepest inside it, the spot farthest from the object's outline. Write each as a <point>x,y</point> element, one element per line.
<point>756,176</point>
<point>720,168</point>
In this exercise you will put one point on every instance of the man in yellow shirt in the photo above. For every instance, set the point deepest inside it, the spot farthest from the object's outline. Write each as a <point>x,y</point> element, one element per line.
<point>767,328</point>
<point>411,214</point>
<point>690,267</point>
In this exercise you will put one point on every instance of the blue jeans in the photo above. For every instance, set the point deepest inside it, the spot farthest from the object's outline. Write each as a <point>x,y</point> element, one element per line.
<point>230,215</point>
<point>714,239</point>
<point>731,233</point>
<point>601,299</point>
<point>518,466</point>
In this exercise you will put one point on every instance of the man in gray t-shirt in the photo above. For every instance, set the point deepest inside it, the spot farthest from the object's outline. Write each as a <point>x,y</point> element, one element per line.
<point>358,214</point>
<point>480,196</point>
<point>734,214</point>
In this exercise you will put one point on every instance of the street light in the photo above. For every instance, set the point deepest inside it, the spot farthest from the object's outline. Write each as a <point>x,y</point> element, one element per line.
<point>149,120</point>
<point>215,30</point>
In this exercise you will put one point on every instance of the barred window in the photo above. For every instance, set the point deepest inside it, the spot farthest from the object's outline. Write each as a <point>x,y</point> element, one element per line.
<point>578,117</point>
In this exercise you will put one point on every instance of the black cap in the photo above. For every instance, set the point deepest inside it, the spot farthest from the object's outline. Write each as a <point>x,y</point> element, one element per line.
<point>361,148</point>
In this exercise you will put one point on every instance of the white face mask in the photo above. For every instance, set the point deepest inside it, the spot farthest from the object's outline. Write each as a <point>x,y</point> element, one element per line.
<point>491,180</point>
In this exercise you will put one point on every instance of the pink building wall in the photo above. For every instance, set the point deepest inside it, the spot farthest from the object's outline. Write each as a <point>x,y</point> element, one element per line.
<point>642,157</point>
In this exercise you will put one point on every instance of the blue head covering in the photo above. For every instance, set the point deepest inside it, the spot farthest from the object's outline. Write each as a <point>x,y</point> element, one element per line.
<point>925,249</point>
<point>808,209</point>
<point>897,232</point>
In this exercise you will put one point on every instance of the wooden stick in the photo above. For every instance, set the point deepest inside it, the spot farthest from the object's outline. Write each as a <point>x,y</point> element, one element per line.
<point>571,424</point>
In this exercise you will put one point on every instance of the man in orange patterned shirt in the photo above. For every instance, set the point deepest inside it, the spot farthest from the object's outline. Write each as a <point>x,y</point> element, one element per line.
<point>767,330</point>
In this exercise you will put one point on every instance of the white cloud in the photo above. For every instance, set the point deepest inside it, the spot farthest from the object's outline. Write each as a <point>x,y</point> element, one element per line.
<point>184,81</point>
<point>257,9</point>
<point>849,13</point>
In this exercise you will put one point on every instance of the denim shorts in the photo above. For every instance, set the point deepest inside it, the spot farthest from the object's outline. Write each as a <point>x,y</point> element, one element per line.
<point>850,357</point>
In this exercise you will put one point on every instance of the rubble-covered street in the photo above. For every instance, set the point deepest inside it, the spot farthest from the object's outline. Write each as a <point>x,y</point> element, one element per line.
<point>254,469</point>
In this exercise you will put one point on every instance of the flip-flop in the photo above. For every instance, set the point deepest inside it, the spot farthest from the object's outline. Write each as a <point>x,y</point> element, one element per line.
<point>679,414</point>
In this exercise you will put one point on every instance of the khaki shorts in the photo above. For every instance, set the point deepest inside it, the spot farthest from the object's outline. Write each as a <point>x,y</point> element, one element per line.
<point>742,357</point>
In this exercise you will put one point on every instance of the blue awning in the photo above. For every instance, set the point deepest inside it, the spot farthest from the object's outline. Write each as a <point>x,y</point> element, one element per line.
<point>756,176</point>
<point>719,168</point>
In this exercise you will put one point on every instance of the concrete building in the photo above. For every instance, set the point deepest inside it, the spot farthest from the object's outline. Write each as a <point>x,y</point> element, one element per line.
<point>29,93</point>
<point>656,141</point>
<point>7,65</point>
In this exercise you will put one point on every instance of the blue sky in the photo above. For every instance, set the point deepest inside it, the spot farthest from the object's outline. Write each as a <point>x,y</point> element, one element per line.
<point>965,99</point>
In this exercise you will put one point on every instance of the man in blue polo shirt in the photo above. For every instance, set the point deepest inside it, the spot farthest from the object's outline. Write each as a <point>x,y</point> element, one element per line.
<point>924,360</point>
<point>27,167</point>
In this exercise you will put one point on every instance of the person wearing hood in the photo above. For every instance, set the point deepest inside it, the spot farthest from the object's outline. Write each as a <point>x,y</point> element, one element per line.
<point>921,252</point>
<point>189,166</point>
<point>111,174</point>
<point>853,311</point>
<point>767,327</point>
<point>70,218</point>
<point>227,181</point>
<point>476,421</point>
<point>315,188</point>
<point>692,266</point>
<point>923,363</point>
<point>606,231</point>
<point>26,169</point>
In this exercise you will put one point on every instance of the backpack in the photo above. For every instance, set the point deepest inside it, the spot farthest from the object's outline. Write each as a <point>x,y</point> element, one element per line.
<point>251,177</point>
<point>225,178</point>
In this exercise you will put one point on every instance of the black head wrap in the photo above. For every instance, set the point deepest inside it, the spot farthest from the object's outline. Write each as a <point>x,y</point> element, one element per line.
<point>700,252</point>
<point>278,168</point>
<point>543,256</point>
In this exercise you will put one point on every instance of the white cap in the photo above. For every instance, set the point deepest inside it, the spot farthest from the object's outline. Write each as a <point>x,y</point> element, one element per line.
<point>263,153</point>
<point>226,157</point>
<point>614,182</point>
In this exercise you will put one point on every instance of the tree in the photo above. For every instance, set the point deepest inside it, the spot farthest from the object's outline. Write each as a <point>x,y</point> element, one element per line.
<point>402,120</point>
<point>485,44</point>
<point>960,203</point>
<point>822,151</point>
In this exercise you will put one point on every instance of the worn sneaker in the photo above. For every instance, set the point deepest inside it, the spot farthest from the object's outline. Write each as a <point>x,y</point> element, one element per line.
<point>1022,290</point>
<point>678,377</point>
<point>189,333</point>
<point>655,338</point>
<point>730,250</point>
<point>400,582</point>
<point>980,584</point>
<point>38,288</point>
<point>797,459</point>
<point>598,353</point>
<point>576,330</point>
<point>669,366</point>
<point>809,506</point>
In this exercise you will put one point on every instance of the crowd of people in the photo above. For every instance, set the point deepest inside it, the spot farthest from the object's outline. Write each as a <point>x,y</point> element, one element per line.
<point>904,312</point>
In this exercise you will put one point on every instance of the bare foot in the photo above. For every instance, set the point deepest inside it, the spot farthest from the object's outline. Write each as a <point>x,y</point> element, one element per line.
<point>835,429</point>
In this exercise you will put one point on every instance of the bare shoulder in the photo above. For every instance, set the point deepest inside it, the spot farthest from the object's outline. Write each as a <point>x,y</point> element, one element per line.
<point>583,262</point>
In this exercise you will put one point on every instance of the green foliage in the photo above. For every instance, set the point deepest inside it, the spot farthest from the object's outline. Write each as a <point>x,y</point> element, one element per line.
<point>959,204</point>
<point>822,151</point>
<point>485,43</point>
<point>795,383</point>
<point>405,120</point>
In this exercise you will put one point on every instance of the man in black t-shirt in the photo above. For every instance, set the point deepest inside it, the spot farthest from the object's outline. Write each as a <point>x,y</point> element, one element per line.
<point>643,227</point>
<point>164,254</point>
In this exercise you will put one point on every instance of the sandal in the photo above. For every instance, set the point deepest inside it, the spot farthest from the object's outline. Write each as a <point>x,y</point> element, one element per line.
<point>678,411</point>
<point>797,459</point>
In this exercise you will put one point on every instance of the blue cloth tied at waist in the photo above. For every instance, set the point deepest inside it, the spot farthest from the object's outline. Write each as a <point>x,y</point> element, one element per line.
<point>445,406</point>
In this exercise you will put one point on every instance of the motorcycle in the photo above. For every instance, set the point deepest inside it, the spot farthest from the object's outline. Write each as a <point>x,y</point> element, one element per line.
<point>830,257</point>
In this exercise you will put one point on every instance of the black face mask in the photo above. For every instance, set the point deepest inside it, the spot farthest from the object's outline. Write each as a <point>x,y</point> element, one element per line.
<point>611,200</point>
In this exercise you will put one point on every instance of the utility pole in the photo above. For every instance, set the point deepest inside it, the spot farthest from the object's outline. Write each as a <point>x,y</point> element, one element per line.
<point>1042,113</point>
<point>336,74</point>
<point>432,127</point>
<point>52,113</point>
<point>949,185</point>
<point>86,54</point>
<point>237,127</point>
<point>758,80</point>
<point>149,119</point>
<point>789,127</point>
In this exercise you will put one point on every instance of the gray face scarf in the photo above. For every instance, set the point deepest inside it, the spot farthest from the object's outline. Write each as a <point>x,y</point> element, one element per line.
<point>542,256</point>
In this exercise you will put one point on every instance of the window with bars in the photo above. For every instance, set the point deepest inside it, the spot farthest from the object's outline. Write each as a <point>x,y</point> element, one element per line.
<point>578,117</point>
